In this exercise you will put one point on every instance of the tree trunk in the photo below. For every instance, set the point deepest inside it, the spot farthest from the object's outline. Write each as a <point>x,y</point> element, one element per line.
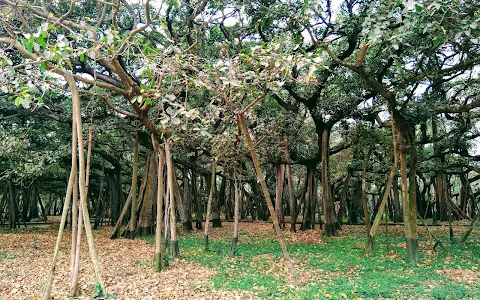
<point>408,199</point>
<point>235,216</point>
<point>328,204</point>
<point>68,195</point>
<point>309,203</point>
<point>291,192</point>
<point>145,221</point>
<point>187,202</point>
<point>280,181</point>
<point>175,251</point>
<point>397,215</point>
<point>160,192</point>
<point>366,212</point>
<point>209,203</point>
<point>241,119</point>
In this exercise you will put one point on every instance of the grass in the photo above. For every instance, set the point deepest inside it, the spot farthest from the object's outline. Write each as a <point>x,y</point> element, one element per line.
<point>336,268</point>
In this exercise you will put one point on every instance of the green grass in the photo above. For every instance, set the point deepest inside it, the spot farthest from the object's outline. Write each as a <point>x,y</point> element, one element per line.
<point>335,269</point>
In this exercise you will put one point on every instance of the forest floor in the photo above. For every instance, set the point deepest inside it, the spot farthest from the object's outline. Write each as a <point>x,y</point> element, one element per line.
<point>332,268</point>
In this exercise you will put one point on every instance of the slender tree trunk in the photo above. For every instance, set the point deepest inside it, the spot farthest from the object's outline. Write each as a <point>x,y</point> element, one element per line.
<point>280,181</point>
<point>366,211</point>
<point>235,216</point>
<point>66,203</point>
<point>398,217</point>
<point>470,228</point>
<point>74,288</point>
<point>83,196</point>
<point>209,203</point>
<point>291,192</point>
<point>258,169</point>
<point>173,229</point>
<point>187,202</point>
<point>388,186</point>
<point>75,209</point>
<point>342,211</point>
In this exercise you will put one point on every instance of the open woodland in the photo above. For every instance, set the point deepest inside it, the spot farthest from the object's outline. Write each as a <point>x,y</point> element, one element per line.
<point>205,149</point>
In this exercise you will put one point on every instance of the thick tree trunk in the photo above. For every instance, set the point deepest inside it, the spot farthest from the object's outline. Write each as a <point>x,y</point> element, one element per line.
<point>145,221</point>
<point>327,198</point>
<point>408,199</point>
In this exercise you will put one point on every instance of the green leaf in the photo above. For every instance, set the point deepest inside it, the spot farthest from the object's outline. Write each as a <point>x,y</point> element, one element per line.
<point>418,8</point>
<point>82,56</point>
<point>43,66</point>
<point>41,41</point>
<point>436,42</point>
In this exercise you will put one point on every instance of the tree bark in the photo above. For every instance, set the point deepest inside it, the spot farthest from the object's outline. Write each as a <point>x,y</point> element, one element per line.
<point>160,191</point>
<point>291,192</point>
<point>209,203</point>
<point>280,181</point>
<point>175,251</point>
<point>187,202</point>
<point>236,217</point>
<point>83,196</point>
<point>329,206</point>
<point>68,195</point>
<point>366,211</point>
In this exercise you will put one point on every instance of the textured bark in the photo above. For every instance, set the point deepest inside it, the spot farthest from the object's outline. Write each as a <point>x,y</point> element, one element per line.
<point>327,198</point>
<point>309,207</point>
<point>408,199</point>
<point>175,251</point>
<point>82,183</point>
<point>160,192</point>
<point>145,220</point>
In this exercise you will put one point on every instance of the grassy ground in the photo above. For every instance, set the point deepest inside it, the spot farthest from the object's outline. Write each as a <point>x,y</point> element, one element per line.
<point>335,268</point>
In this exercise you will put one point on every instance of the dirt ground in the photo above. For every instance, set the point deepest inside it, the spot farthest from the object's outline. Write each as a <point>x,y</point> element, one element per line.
<point>126,268</point>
